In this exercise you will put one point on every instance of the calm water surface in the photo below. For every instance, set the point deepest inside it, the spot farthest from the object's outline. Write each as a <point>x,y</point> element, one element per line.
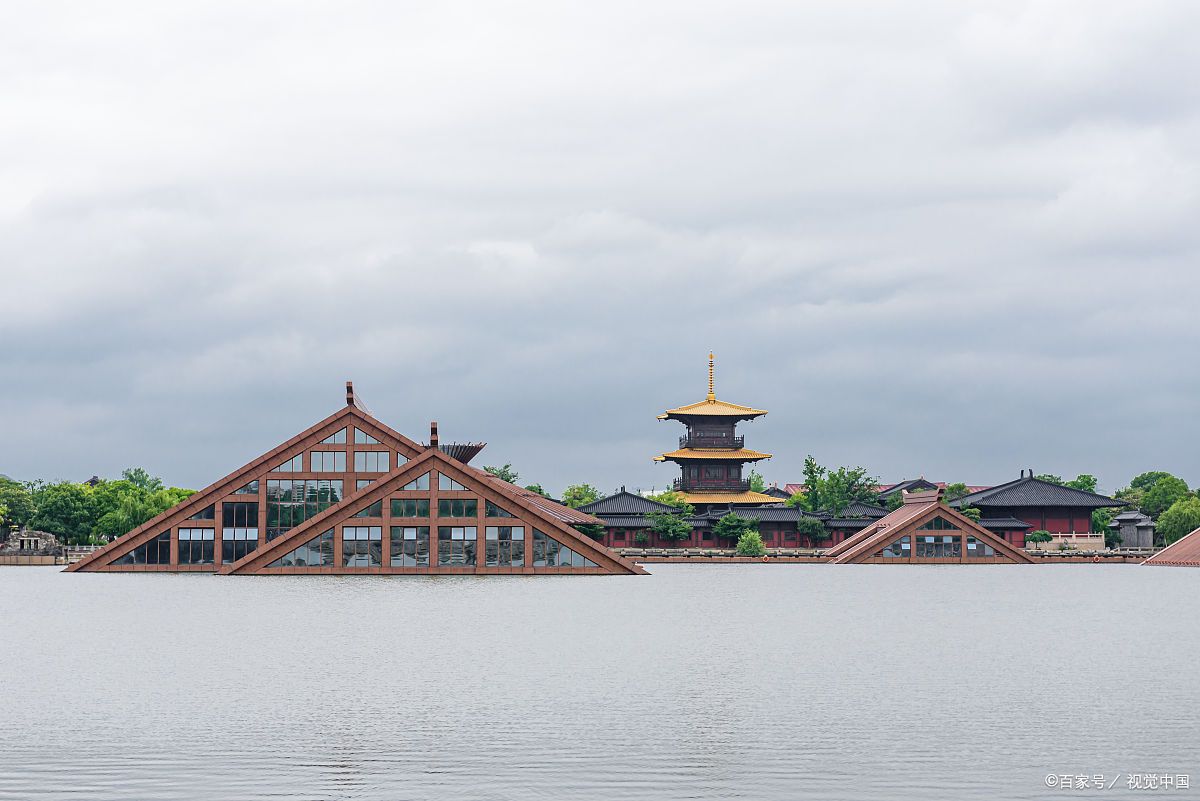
<point>754,681</point>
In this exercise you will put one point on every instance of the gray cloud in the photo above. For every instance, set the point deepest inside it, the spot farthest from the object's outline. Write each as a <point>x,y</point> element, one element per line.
<point>941,238</point>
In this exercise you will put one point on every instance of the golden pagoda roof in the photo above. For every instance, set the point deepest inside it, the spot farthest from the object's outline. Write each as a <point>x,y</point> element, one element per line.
<point>739,455</point>
<point>710,406</point>
<point>729,497</point>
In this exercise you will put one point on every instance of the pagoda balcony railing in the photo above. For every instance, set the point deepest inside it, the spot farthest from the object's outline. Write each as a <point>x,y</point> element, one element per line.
<point>710,485</point>
<point>701,441</point>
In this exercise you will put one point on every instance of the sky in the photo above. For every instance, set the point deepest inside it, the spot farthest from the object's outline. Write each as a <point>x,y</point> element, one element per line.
<point>951,239</point>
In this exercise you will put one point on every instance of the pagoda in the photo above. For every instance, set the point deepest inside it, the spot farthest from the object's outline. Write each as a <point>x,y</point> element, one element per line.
<point>712,453</point>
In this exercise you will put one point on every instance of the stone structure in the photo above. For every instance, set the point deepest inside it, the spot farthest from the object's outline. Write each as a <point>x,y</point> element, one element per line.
<point>1135,529</point>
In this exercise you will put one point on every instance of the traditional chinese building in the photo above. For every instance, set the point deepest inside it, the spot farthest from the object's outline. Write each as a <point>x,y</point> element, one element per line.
<point>1031,504</point>
<point>712,455</point>
<point>351,495</point>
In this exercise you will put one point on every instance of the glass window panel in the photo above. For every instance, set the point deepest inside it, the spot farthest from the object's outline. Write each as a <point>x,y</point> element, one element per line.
<point>418,483</point>
<point>409,546</point>
<point>293,465</point>
<point>410,507</point>
<point>207,513</point>
<point>372,461</point>
<point>456,545</point>
<point>374,510</point>
<point>249,489</point>
<point>447,483</point>
<point>336,438</point>
<point>196,546</point>
<point>327,461</point>
<point>316,552</point>
<point>458,507</point>
<point>363,438</point>
<point>492,510</point>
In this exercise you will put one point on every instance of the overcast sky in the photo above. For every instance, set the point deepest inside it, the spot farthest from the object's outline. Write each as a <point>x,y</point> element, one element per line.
<point>943,238</point>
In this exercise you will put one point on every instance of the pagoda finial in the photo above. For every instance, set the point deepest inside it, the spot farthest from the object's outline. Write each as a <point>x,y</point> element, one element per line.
<point>711,396</point>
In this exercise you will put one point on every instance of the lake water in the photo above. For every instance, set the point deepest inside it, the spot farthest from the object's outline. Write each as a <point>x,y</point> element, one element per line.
<point>746,681</point>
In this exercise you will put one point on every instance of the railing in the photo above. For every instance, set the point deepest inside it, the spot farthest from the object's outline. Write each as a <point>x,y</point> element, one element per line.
<point>700,441</point>
<point>711,485</point>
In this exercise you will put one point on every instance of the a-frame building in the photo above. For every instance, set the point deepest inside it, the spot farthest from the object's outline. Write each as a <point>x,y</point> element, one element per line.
<point>923,530</point>
<point>351,495</point>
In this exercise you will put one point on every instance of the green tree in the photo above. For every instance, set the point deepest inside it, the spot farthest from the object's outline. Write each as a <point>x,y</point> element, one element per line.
<point>18,500</point>
<point>731,527</point>
<point>538,489</point>
<point>1182,518</point>
<point>954,491</point>
<point>813,529</point>
<point>1038,537</point>
<point>844,486</point>
<point>669,525</point>
<point>757,482</point>
<point>1100,520</point>
<point>1165,492</point>
<point>505,473</point>
<point>798,499</point>
<point>593,530</point>
<point>750,543</point>
<point>577,495</point>
<point>814,476</point>
<point>895,501</point>
<point>673,498</point>
<point>141,479</point>
<point>1147,480</point>
<point>65,510</point>
<point>971,512</point>
<point>1132,497</point>
<point>1083,481</point>
<point>1050,477</point>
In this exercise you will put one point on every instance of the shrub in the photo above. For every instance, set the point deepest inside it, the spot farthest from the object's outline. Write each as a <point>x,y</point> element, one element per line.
<point>641,538</point>
<point>670,526</point>
<point>812,528</point>
<point>751,544</point>
<point>731,527</point>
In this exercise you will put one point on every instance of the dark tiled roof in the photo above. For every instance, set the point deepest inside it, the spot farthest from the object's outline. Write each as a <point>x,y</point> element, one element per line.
<point>626,521</point>
<point>1004,524</point>
<point>625,503</point>
<point>776,492</point>
<point>1132,516</point>
<point>850,522</point>
<point>1035,492</point>
<point>860,509</point>
<point>910,485</point>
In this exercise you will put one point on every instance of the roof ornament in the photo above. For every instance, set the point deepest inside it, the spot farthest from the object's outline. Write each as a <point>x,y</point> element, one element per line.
<point>711,395</point>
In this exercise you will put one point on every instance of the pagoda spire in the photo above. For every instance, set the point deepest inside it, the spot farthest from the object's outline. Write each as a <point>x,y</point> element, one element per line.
<point>711,395</point>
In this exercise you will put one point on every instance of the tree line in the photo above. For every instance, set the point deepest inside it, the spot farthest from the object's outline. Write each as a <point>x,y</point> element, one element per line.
<point>87,513</point>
